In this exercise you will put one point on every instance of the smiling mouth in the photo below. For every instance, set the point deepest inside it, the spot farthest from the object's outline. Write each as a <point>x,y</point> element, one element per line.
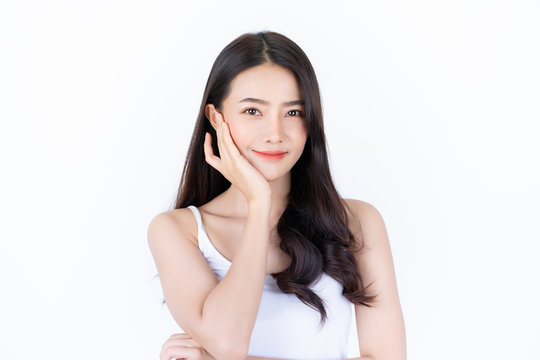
<point>271,155</point>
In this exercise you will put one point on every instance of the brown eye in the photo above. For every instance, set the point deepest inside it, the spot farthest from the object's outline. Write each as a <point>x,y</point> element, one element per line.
<point>298,112</point>
<point>251,111</point>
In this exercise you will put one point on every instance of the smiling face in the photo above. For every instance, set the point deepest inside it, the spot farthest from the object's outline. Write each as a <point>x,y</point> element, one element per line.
<point>265,112</point>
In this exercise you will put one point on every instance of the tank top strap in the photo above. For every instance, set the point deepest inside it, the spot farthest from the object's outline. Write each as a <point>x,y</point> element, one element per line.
<point>200,229</point>
<point>205,245</point>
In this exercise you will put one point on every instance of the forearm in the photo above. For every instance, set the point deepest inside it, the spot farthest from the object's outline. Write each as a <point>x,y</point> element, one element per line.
<point>264,358</point>
<point>231,307</point>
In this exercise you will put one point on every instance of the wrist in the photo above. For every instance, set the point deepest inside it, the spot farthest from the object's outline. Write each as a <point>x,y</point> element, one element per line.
<point>260,206</point>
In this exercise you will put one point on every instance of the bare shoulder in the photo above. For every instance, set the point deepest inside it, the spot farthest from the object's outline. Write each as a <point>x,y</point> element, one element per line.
<point>360,207</point>
<point>365,218</point>
<point>178,223</point>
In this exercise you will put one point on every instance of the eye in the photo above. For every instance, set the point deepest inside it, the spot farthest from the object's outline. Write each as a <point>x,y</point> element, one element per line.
<point>299,113</point>
<point>250,111</point>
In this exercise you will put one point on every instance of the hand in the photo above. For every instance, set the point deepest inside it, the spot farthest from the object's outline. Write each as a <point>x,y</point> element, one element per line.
<point>233,165</point>
<point>182,346</point>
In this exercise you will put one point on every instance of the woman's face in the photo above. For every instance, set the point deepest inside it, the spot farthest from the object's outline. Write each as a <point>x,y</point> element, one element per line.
<point>265,112</point>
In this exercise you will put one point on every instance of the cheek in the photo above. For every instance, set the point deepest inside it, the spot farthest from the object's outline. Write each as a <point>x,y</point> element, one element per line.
<point>238,133</point>
<point>300,134</point>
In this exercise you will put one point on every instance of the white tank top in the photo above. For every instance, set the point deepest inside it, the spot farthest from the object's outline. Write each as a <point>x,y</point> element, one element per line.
<point>285,326</point>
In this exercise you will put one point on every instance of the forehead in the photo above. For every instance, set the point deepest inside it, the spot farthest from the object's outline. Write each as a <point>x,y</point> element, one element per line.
<point>269,82</point>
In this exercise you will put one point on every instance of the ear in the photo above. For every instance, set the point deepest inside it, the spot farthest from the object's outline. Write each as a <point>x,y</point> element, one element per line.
<point>210,112</point>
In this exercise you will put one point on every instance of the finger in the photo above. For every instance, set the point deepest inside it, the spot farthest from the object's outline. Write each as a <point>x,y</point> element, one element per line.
<point>185,342</point>
<point>179,339</point>
<point>209,156</point>
<point>181,353</point>
<point>228,140</point>
<point>227,144</point>
<point>174,342</point>
<point>219,134</point>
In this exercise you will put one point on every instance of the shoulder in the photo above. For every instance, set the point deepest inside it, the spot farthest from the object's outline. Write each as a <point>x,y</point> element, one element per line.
<point>366,221</point>
<point>374,257</point>
<point>177,223</point>
<point>361,208</point>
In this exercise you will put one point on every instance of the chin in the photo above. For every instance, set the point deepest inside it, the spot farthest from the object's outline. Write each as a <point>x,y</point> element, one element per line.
<point>273,176</point>
<point>272,172</point>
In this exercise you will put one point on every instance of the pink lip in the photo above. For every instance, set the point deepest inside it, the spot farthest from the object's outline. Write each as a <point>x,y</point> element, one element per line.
<point>271,155</point>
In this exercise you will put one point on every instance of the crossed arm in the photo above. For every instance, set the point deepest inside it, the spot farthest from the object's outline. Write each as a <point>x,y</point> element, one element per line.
<point>263,358</point>
<point>381,328</point>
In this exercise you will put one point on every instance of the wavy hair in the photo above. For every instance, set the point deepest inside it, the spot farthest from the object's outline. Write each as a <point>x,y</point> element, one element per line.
<point>313,228</point>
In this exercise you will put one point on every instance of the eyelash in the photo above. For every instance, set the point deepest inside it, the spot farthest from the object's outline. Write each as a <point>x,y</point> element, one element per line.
<point>300,113</point>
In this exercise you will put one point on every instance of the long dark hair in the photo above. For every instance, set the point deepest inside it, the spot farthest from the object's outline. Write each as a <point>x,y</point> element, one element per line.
<point>313,228</point>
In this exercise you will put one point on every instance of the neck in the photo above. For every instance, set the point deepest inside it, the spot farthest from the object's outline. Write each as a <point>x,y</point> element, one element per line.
<point>280,192</point>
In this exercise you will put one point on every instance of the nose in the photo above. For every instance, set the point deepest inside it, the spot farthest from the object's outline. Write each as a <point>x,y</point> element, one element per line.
<point>274,129</point>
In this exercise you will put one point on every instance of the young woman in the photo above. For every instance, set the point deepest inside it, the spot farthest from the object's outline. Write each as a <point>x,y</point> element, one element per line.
<point>261,258</point>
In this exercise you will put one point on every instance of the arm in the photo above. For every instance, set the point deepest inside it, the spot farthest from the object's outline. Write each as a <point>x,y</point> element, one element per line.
<point>263,358</point>
<point>381,328</point>
<point>183,346</point>
<point>231,308</point>
<point>218,315</point>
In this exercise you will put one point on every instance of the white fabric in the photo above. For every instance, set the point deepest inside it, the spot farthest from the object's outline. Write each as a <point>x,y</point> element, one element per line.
<point>285,326</point>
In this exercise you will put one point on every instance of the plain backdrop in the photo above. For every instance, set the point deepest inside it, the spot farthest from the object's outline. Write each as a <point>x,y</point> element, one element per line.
<point>431,111</point>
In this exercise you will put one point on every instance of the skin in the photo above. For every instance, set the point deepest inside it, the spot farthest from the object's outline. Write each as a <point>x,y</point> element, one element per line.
<point>257,127</point>
<point>260,186</point>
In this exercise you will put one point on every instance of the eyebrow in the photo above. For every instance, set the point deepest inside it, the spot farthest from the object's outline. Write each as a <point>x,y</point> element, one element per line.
<point>263,102</point>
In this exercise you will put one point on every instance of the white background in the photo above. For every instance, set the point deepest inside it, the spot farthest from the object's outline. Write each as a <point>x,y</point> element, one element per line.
<point>431,112</point>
